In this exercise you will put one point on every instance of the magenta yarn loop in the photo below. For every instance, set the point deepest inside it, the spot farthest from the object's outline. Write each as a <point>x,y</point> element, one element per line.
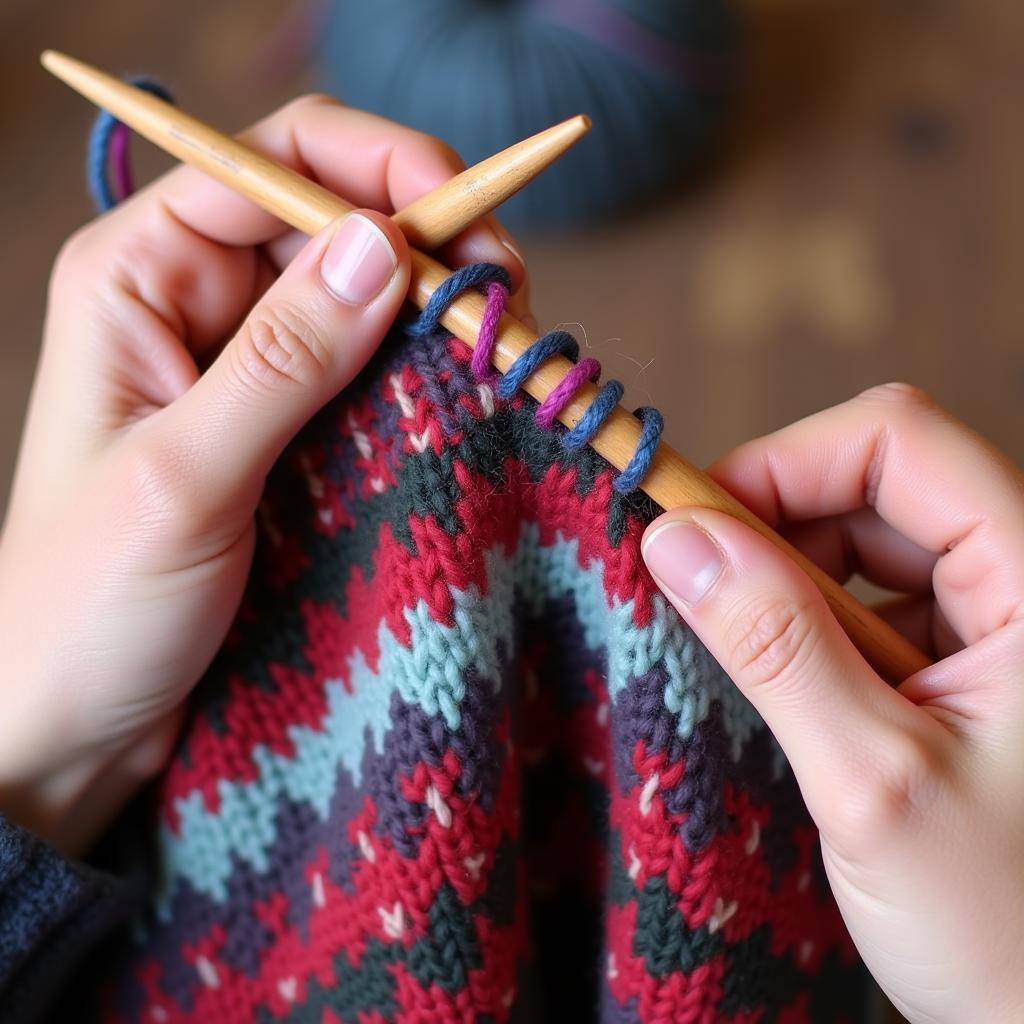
<point>109,148</point>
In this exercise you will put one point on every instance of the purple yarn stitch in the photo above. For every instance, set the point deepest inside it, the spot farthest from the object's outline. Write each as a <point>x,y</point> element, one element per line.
<point>497,296</point>
<point>585,370</point>
<point>119,157</point>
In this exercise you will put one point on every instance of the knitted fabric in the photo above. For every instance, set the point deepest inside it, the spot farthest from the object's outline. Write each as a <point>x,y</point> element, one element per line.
<point>458,759</point>
<point>51,912</point>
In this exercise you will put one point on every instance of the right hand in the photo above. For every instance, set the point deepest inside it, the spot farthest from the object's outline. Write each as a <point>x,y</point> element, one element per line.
<point>130,530</point>
<point>918,791</point>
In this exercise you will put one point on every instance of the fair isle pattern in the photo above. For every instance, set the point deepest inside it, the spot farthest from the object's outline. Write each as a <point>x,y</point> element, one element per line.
<point>458,761</point>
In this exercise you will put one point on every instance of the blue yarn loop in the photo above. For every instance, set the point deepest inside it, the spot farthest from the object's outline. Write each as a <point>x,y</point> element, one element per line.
<point>478,275</point>
<point>596,413</point>
<point>653,423</point>
<point>554,343</point>
<point>98,158</point>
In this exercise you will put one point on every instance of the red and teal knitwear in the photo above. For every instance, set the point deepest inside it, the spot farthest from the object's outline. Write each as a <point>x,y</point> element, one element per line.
<point>459,761</point>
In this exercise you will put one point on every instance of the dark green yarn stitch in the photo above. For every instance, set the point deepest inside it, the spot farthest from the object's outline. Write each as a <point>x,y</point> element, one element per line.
<point>621,889</point>
<point>450,948</point>
<point>370,986</point>
<point>663,938</point>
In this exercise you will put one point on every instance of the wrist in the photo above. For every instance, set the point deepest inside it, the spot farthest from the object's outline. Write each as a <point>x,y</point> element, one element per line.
<point>45,776</point>
<point>45,781</point>
<point>66,792</point>
<point>45,809</point>
<point>51,800</point>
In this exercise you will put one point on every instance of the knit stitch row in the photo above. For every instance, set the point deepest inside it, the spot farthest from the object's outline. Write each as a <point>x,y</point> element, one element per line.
<point>497,283</point>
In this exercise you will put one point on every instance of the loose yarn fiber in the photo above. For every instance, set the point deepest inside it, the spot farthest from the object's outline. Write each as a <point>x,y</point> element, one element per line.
<point>653,74</point>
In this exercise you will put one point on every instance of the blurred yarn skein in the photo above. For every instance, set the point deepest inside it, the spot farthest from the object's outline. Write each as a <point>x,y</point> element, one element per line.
<point>654,75</point>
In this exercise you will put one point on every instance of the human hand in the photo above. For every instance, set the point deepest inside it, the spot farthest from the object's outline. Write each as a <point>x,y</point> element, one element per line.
<point>130,529</point>
<point>918,791</point>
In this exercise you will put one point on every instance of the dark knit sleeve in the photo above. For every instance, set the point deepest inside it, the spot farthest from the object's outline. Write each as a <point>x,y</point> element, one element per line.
<point>52,912</point>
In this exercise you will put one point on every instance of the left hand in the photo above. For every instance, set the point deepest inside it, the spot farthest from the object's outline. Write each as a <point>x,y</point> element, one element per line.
<point>189,336</point>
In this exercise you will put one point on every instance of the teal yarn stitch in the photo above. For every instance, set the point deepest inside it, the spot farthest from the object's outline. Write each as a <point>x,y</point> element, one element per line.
<point>655,75</point>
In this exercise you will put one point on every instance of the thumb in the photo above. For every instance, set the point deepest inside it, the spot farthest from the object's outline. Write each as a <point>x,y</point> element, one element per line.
<point>770,629</point>
<point>304,341</point>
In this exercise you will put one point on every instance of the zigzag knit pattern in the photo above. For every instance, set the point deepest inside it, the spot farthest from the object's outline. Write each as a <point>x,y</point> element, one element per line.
<point>459,761</point>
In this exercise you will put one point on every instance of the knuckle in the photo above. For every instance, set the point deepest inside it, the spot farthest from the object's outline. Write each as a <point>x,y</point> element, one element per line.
<point>155,489</point>
<point>898,397</point>
<point>899,412</point>
<point>309,100</point>
<point>896,780</point>
<point>278,347</point>
<point>74,254</point>
<point>770,640</point>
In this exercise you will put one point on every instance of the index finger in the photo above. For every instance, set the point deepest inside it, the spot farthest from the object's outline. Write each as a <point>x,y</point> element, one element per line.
<point>185,242</point>
<point>929,476</point>
<point>368,160</point>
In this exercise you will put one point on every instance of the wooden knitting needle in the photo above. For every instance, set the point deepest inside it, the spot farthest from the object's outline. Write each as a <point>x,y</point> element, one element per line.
<point>671,480</point>
<point>428,223</point>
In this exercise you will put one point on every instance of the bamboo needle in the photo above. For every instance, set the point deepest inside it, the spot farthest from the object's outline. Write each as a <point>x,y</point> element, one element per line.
<point>671,480</point>
<point>428,222</point>
<point>450,208</point>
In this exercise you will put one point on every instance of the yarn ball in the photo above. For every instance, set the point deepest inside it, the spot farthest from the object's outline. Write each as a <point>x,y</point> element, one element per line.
<point>654,75</point>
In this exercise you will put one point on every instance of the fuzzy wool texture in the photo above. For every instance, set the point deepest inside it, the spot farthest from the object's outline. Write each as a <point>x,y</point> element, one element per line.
<point>458,759</point>
<point>657,76</point>
<point>52,912</point>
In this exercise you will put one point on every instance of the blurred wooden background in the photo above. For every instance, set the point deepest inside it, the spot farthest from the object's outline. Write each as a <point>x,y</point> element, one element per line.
<point>863,221</point>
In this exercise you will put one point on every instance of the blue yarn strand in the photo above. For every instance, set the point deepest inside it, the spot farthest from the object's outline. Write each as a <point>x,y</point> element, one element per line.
<point>553,343</point>
<point>636,469</point>
<point>597,412</point>
<point>96,162</point>
<point>97,158</point>
<point>476,275</point>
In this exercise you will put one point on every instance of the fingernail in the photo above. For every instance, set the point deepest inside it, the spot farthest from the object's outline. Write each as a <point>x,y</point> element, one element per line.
<point>506,241</point>
<point>359,262</point>
<point>684,558</point>
<point>510,245</point>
